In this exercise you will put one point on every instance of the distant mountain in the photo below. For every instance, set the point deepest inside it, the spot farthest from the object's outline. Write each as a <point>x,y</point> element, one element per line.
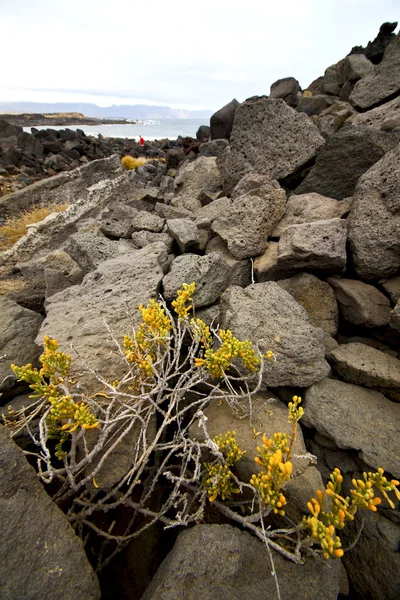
<point>124,111</point>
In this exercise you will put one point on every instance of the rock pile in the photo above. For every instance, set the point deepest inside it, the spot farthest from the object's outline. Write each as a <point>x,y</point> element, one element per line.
<point>29,157</point>
<point>290,227</point>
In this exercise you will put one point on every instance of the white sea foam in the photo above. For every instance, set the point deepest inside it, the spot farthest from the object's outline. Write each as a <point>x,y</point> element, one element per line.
<point>150,129</point>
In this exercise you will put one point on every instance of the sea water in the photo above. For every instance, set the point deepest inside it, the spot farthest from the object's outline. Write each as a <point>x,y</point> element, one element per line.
<point>149,130</point>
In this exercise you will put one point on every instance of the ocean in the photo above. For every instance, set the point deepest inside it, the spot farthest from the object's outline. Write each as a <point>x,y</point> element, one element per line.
<point>149,130</point>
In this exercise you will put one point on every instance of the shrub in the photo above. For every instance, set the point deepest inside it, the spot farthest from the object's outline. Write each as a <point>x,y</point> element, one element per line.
<point>129,163</point>
<point>16,227</point>
<point>174,368</point>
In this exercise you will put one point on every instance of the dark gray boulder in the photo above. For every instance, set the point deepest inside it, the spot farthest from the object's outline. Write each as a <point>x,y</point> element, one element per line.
<point>118,222</point>
<point>361,303</point>
<point>216,562</point>
<point>383,83</point>
<point>40,555</point>
<point>268,137</point>
<point>356,418</point>
<point>257,205</point>
<point>346,156</point>
<point>221,122</point>
<point>288,89</point>
<point>265,313</point>
<point>203,133</point>
<point>29,143</point>
<point>213,148</point>
<point>313,105</point>
<point>18,329</point>
<point>9,134</point>
<point>79,315</point>
<point>375,50</point>
<point>210,273</point>
<point>363,365</point>
<point>374,221</point>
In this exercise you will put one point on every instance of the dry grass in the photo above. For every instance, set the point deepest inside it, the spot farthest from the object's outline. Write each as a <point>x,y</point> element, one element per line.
<point>16,227</point>
<point>8,286</point>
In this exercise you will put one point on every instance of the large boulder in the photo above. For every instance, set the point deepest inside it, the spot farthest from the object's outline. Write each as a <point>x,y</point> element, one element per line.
<point>373,564</point>
<point>356,418</point>
<point>353,67</point>
<point>216,562</point>
<point>240,270</point>
<point>313,105</point>
<point>347,155</point>
<point>18,329</point>
<point>265,313</point>
<point>203,133</point>
<point>210,273</point>
<point>27,142</point>
<point>185,232</point>
<point>375,50</point>
<point>317,298</point>
<point>374,220</point>
<point>392,287</point>
<point>288,89</point>
<point>40,555</point>
<point>385,117</point>
<point>79,315</point>
<point>306,208</point>
<point>9,134</point>
<point>117,221</point>
<point>331,81</point>
<point>256,206</point>
<point>383,83</point>
<point>89,250</point>
<point>317,246</point>
<point>221,122</point>
<point>213,148</point>
<point>333,118</point>
<point>361,303</point>
<point>207,215</point>
<point>271,138</point>
<point>193,180</point>
<point>363,365</point>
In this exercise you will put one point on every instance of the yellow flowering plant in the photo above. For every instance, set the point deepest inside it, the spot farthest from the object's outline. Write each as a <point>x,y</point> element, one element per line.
<point>143,419</point>
<point>65,413</point>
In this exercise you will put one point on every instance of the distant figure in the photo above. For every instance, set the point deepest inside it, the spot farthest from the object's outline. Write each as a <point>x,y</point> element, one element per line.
<point>141,142</point>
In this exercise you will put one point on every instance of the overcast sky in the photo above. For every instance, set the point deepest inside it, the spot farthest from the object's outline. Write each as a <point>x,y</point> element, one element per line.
<point>181,53</point>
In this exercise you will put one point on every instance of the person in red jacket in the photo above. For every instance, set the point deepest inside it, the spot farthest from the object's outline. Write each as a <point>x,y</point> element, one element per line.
<point>141,142</point>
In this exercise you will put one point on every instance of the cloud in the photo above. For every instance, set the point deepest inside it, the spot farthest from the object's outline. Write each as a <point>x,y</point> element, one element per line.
<point>191,54</point>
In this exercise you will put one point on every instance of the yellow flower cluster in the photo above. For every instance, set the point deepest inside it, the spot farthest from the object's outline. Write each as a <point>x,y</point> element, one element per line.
<point>55,366</point>
<point>218,361</point>
<point>201,333</point>
<point>363,494</point>
<point>184,296</point>
<point>141,348</point>
<point>155,321</point>
<point>218,482</point>
<point>229,447</point>
<point>276,471</point>
<point>219,478</point>
<point>325,535</point>
<point>323,524</point>
<point>45,383</point>
<point>295,411</point>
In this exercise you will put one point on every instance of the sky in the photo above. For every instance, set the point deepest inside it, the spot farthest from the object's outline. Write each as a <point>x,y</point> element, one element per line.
<point>183,54</point>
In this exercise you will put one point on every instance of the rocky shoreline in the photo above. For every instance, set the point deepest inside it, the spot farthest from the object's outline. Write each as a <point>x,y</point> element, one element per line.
<point>26,158</point>
<point>57,119</point>
<point>286,214</point>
